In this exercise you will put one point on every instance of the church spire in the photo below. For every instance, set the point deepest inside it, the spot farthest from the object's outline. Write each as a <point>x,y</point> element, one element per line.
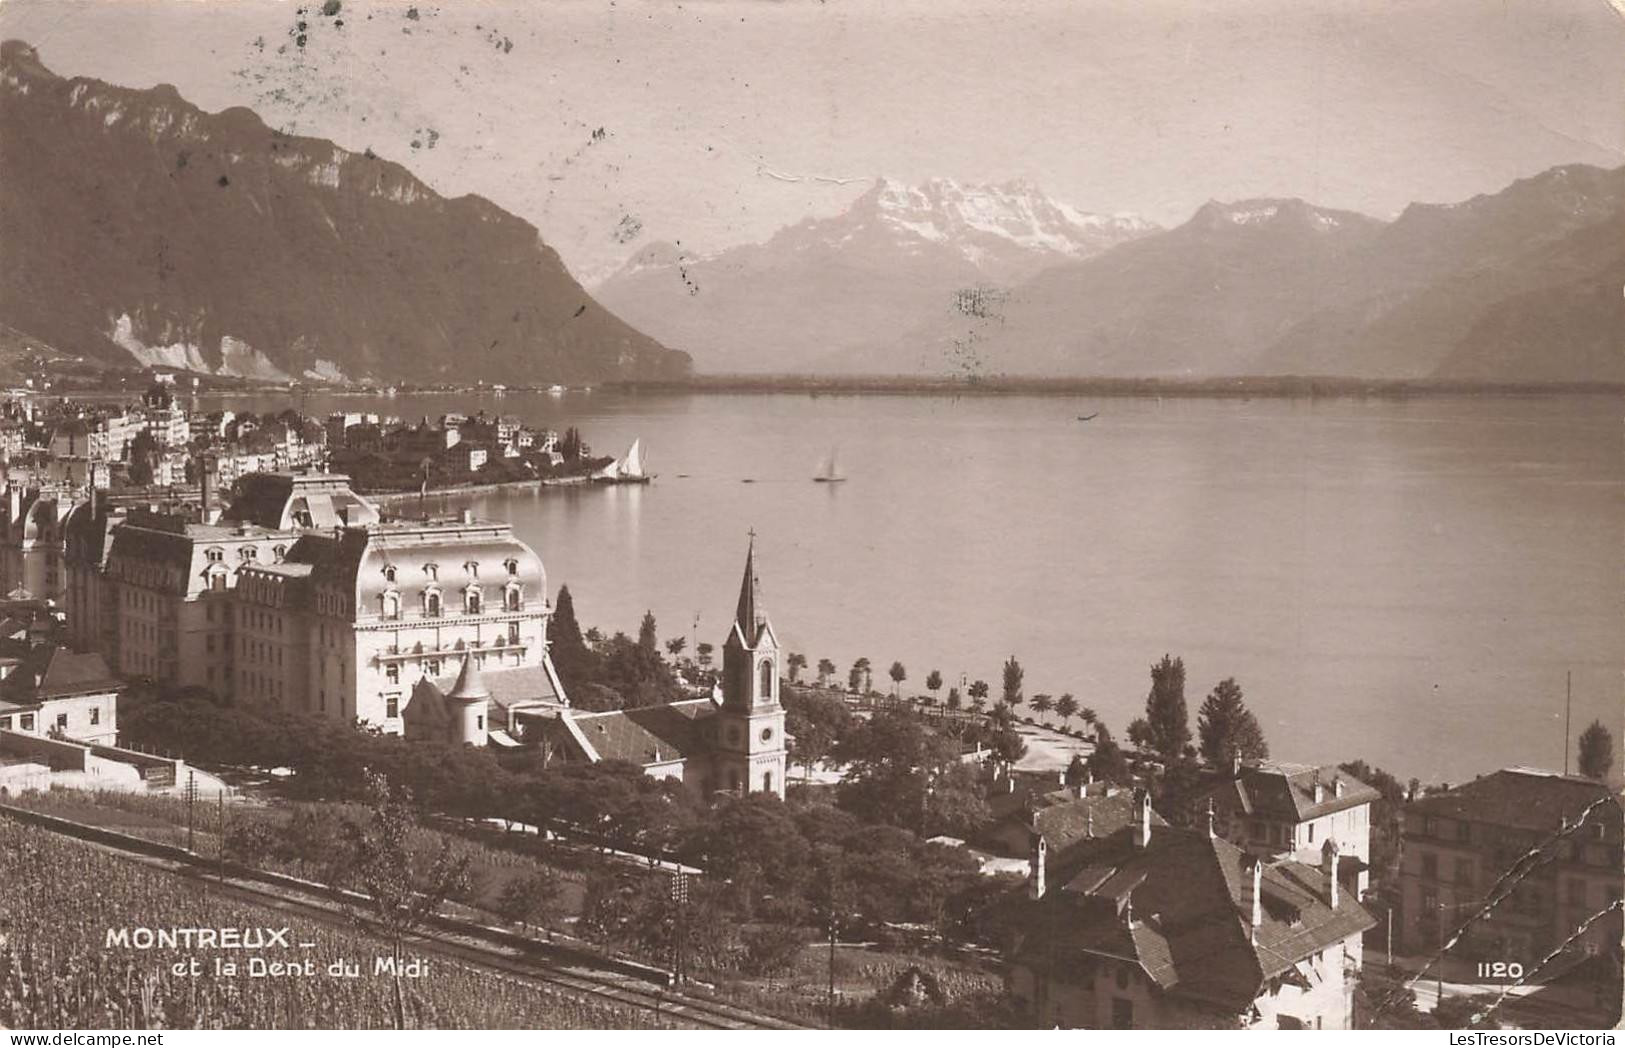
<point>748,615</point>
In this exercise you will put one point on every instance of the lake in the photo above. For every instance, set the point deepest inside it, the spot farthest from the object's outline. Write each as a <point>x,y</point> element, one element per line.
<point>1405,581</point>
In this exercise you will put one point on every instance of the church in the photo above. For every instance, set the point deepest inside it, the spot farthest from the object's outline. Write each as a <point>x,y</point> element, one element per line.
<point>733,742</point>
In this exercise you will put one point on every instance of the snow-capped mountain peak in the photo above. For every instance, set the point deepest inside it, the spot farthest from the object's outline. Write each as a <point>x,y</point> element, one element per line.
<point>983,219</point>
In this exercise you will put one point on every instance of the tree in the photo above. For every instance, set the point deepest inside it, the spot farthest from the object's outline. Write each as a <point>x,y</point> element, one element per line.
<point>646,633</point>
<point>1042,704</point>
<point>1596,751</point>
<point>401,890</point>
<point>826,670</point>
<point>530,900</point>
<point>575,663</point>
<point>1013,673</point>
<point>1077,771</point>
<point>1167,721</point>
<point>143,452</point>
<point>675,646</point>
<point>854,679</point>
<point>1107,762</point>
<point>1088,715</point>
<point>898,675</point>
<point>1228,729</point>
<point>954,699</point>
<point>1067,707</point>
<point>814,723</point>
<point>978,694</point>
<point>795,664</point>
<point>868,674</point>
<point>933,682</point>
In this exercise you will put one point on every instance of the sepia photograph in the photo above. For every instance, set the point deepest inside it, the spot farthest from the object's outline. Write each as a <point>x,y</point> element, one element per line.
<point>776,515</point>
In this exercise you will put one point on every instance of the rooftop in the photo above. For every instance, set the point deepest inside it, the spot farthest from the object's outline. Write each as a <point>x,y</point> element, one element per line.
<point>1521,798</point>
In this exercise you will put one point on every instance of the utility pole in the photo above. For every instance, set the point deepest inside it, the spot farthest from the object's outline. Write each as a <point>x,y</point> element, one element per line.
<point>191,803</point>
<point>1568,710</point>
<point>829,1001</point>
<point>222,796</point>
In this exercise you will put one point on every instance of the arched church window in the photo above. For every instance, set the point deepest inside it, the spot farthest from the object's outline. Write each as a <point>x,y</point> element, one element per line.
<point>764,687</point>
<point>767,782</point>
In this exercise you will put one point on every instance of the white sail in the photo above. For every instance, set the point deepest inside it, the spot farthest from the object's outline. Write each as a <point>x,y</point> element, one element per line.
<point>827,470</point>
<point>609,472</point>
<point>632,464</point>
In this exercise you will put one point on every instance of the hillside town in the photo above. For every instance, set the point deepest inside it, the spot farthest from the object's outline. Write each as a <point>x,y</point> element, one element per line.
<point>206,597</point>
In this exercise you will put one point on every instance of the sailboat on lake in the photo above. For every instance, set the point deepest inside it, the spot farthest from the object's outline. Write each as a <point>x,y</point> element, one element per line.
<point>828,473</point>
<point>628,469</point>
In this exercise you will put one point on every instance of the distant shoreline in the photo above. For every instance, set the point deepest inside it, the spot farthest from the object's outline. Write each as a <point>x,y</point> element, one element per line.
<point>1285,386</point>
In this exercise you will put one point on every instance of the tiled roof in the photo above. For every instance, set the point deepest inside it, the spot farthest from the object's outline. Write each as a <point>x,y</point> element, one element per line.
<point>512,686</point>
<point>1521,798</point>
<point>647,734</point>
<point>1063,825</point>
<point>1178,907</point>
<point>54,673</point>
<point>1278,790</point>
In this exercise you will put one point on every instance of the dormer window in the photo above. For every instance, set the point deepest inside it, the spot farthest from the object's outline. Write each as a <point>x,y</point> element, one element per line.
<point>473,568</point>
<point>473,600</point>
<point>280,553</point>
<point>247,553</point>
<point>432,570</point>
<point>215,555</point>
<point>512,599</point>
<point>392,605</point>
<point>389,573</point>
<point>431,604</point>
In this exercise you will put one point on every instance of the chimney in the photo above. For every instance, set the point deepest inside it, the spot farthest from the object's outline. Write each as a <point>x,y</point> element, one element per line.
<point>1035,867</point>
<point>468,515</point>
<point>1089,821</point>
<point>1337,786</point>
<point>1235,766</point>
<point>1142,818</point>
<point>1252,894</point>
<point>1210,833</point>
<point>1320,791</point>
<point>1328,867</point>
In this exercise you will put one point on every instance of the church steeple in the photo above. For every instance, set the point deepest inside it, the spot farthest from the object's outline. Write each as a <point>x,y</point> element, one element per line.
<point>748,615</point>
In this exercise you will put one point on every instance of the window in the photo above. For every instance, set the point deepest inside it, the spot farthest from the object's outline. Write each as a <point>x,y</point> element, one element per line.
<point>511,599</point>
<point>767,782</point>
<point>392,705</point>
<point>432,570</point>
<point>26,722</point>
<point>1430,866</point>
<point>392,672</point>
<point>389,573</point>
<point>764,687</point>
<point>217,582</point>
<point>1311,833</point>
<point>767,733</point>
<point>513,633</point>
<point>512,565</point>
<point>5,723</point>
<point>95,715</point>
<point>248,553</point>
<point>431,604</point>
<point>392,605</point>
<point>431,667</point>
<point>473,600</point>
<point>61,722</point>
<point>473,568</point>
<point>279,553</point>
<point>479,721</point>
<point>215,555</point>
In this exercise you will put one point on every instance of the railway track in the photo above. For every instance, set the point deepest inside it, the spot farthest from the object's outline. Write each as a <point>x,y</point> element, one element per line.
<point>491,949</point>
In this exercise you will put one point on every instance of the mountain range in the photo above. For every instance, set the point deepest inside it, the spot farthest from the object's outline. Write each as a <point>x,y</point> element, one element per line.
<point>1522,286</point>
<point>832,289</point>
<point>135,225</point>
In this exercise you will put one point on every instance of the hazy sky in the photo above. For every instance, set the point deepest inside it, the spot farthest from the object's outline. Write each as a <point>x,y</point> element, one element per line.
<point>722,118</point>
